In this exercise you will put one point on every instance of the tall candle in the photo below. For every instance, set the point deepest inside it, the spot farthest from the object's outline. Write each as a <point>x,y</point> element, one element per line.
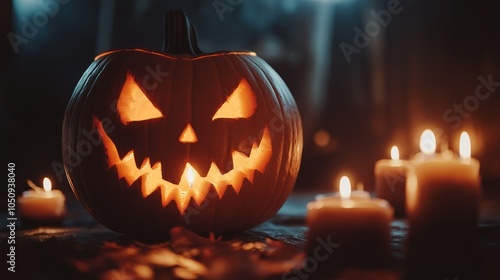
<point>390,181</point>
<point>443,195</point>
<point>360,228</point>
<point>42,206</point>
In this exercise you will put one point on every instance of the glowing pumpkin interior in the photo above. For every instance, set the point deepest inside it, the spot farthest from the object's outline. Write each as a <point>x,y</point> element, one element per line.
<point>134,106</point>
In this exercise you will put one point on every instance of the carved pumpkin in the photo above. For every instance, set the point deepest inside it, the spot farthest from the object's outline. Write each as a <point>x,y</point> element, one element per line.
<point>153,140</point>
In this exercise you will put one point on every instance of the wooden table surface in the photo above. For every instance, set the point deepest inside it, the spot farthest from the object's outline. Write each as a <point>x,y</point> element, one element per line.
<point>83,249</point>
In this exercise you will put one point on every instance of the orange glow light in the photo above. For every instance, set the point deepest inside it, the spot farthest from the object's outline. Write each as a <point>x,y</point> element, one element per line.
<point>190,175</point>
<point>188,135</point>
<point>241,104</point>
<point>134,105</point>
<point>322,138</point>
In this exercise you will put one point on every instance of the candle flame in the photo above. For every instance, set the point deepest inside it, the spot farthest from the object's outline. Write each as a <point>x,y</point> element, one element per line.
<point>394,152</point>
<point>47,185</point>
<point>190,176</point>
<point>428,142</point>
<point>345,187</point>
<point>465,146</point>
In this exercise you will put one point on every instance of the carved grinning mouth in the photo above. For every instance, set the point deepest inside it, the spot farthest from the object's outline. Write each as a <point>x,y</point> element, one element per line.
<point>196,187</point>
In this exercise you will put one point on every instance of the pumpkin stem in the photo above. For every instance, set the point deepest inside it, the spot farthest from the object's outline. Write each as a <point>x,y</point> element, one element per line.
<point>180,34</point>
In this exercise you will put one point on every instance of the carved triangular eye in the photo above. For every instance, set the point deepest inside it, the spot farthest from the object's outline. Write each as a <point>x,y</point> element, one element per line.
<point>133,105</point>
<point>241,104</point>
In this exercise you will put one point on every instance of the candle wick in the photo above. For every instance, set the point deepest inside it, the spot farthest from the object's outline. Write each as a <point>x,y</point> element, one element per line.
<point>34,186</point>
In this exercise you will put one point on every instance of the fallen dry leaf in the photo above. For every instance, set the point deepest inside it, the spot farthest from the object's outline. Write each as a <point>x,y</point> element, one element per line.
<point>190,256</point>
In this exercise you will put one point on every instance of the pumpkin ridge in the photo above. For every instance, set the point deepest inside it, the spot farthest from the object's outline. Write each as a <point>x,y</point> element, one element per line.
<point>276,81</point>
<point>245,216</point>
<point>83,88</point>
<point>279,155</point>
<point>190,107</point>
<point>221,93</point>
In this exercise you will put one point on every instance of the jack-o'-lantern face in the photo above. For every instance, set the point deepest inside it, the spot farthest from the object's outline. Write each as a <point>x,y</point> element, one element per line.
<point>133,106</point>
<point>153,140</point>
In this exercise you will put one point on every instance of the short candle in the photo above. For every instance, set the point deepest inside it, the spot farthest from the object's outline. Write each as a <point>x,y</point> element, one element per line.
<point>359,227</point>
<point>42,206</point>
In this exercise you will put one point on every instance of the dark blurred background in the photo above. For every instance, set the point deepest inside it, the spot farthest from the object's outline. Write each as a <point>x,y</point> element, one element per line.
<point>363,81</point>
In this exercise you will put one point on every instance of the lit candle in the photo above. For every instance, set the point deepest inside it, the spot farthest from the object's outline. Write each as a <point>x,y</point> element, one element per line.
<point>42,206</point>
<point>360,228</point>
<point>359,193</point>
<point>442,199</point>
<point>390,180</point>
<point>427,145</point>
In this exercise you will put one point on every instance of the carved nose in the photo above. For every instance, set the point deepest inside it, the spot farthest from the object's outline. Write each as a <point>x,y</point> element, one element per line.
<point>188,135</point>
